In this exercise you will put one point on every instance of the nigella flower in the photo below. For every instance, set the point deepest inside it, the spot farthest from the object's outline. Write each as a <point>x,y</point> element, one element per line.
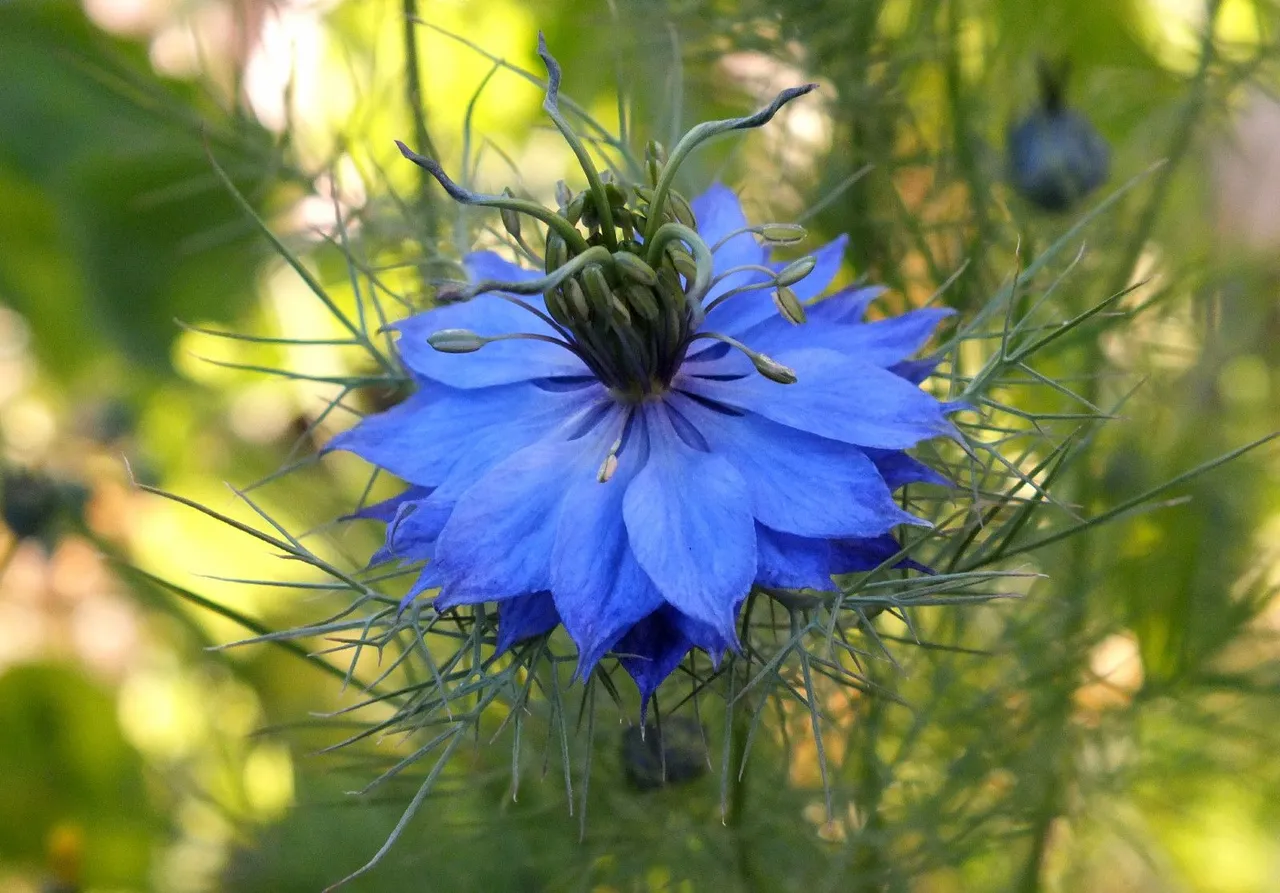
<point>628,441</point>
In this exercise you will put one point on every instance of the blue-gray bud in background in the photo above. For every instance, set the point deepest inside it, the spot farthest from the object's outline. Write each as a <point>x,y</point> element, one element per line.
<point>1055,155</point>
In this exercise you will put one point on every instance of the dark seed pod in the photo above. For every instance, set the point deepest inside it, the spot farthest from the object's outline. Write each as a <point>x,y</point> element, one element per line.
<point>679,748</point>
<point>30,503</point>
<point>1055,155</point>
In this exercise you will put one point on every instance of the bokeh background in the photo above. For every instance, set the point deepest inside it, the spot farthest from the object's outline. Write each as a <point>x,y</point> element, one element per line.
<point>1114,730</point>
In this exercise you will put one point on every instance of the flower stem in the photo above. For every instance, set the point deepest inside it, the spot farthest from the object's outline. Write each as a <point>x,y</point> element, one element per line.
<point>1031,878</point>
<point>413,97</point>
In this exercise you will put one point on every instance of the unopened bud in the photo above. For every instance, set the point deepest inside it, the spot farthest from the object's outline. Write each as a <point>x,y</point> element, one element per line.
<point>557,253</point>
<point>655,159</point>
<point>683,261</point>
<point>563,195</point>
<point>577,301</point>
<point>772,369</point>
<point>641,300</point>
<point>797,270</point>
<point>607,468</point>
<point>510,219</point>
<point>456,341</point>
<point>681,209</point>
<point>789,305</point>
<point>782,233</point>
<point>596,285</point>
<point>635,269</point>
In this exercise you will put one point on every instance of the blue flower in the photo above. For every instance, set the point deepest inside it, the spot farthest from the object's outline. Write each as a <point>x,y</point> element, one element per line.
<point>640,513</point>
<point>629,441</point>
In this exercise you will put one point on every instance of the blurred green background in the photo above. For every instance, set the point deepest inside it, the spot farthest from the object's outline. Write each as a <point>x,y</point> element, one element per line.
<point>1115,730</point>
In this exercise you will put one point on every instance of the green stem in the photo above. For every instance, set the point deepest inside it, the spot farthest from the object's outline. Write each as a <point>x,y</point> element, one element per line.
<point>1031,877</point>
<point>417,110</point>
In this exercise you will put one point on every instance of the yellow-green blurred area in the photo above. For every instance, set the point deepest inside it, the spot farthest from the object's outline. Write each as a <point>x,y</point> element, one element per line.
<point>1114,730</point>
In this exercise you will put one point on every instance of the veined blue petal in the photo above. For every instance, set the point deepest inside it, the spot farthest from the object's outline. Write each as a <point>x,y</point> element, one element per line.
<point>483,265</point>
<point>428,578</point>
<point>837,397</point>
<point>501,362</point>
<point>412,534</point>
<point>497,542</point>
<point>916,371</point>
<point>847,306</point>
<point>599,588</point>
<point>827,260</point>
<point>422,439</point>
<point>525,617</point>
<point>899,469</point>
<point>688,517</point>
<point>718,213</point>
<point>651,650</point>
<point>743,314</point>
<point>881,343</point>
<point>849,556</point>
<point>799,483</point>
<point>385,511</point>
<point>792,562</point>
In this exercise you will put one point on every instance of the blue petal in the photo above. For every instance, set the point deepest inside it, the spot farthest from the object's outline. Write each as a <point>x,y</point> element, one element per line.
<point>497,542</point>
<point>424,438</point>
<point>899,469</point>
<point>827,264</point>
<point>412,534</point>
<point>916,371</point>
<point>792,562</point>
<point>688,517</point>
<point>799,483</point>
<point>483,265</point>
<point>524,618</point>
<point>849,556</point>
<point>838,397</point>
<point>718,213</point>
<point>651,650</point>
<point>847,306</point>
<point>385,511</point>
<point>880,343</point>
<point>600,589</point>
<point>501,362</point>
<point>428,578</point>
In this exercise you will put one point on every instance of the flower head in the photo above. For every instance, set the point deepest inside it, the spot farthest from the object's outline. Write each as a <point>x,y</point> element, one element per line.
<point>629,440</point>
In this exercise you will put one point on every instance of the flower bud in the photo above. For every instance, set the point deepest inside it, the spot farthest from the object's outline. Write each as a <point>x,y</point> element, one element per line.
<point>796,270</point>
<point>641,300</point>
<point>782,233</point>
<point>772,369</point>
<point>456,341</point>
<point>563,195</point>
<point>635,269</point>
<point>655,159</point>
<point>789,305</point>
<point>510,219</point>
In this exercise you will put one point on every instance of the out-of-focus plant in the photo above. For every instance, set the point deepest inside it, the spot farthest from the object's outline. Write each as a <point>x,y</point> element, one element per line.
<point>1054,741</point>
